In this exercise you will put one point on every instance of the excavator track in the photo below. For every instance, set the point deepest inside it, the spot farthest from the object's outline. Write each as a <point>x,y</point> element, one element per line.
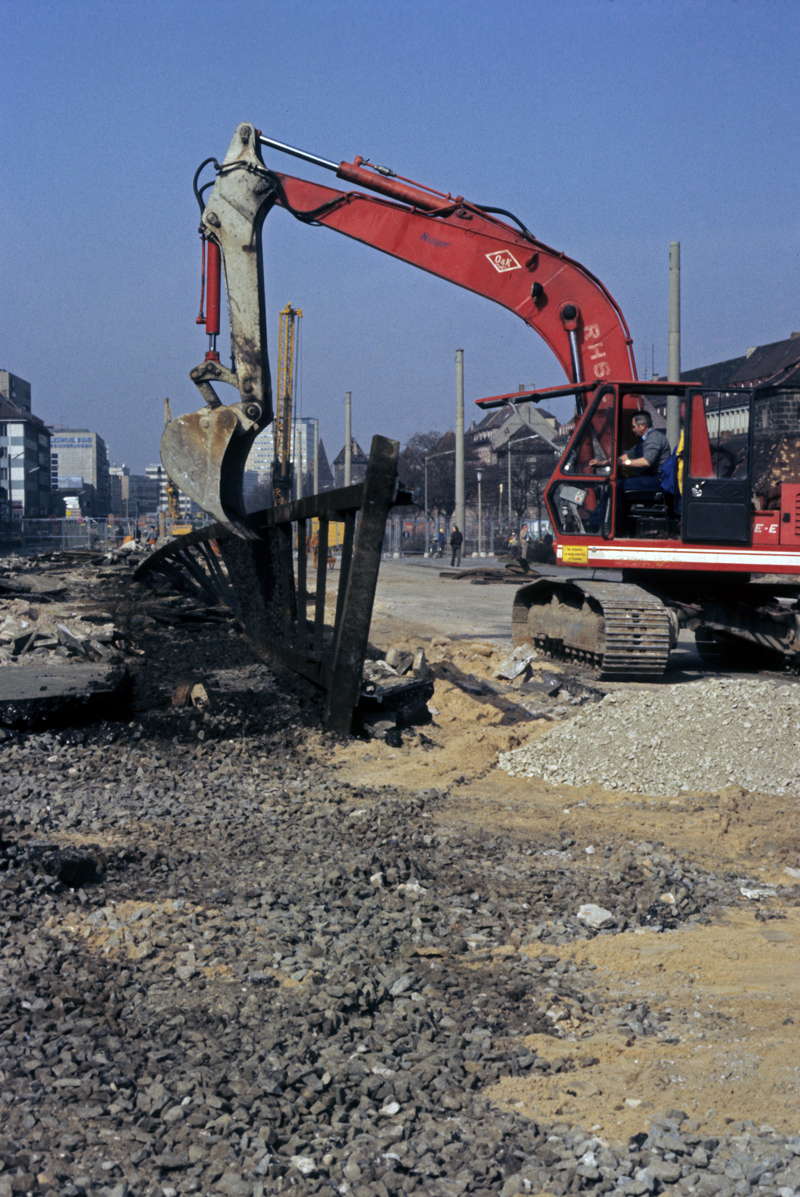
<point>616,629</point>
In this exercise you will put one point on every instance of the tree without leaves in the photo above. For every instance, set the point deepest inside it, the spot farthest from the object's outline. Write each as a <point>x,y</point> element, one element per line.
<point>440,451</point>
<point>411,462</point>
<point>532,465</point>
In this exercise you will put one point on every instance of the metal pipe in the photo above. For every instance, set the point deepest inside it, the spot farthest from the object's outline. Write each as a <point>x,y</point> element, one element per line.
<point>316,456</point>
<point>572,333</point>
<point>674,345</point>
<point>348,439</point>
<point>298,458</point>
<point>290,149</point>
<point>510,508</point>
<point>461,518</point>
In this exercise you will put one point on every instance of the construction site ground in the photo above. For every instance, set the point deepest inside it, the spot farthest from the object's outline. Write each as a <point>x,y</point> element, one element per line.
<point>732,984</point>
<point>244,956</point>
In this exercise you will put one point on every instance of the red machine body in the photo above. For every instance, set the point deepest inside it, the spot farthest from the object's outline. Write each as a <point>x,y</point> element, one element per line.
<point>555,296</point>
<point>715,522</point>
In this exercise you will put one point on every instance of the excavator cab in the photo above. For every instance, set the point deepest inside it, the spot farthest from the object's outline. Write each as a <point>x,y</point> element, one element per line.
<point>705,495</point>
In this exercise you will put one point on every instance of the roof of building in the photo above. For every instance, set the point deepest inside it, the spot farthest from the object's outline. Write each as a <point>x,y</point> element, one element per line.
<point>326,478</point>
<point>498,416</point>
<point>773,364</point>
<point>357,454</point>
<point>776,364</point>
<point>715,376</point>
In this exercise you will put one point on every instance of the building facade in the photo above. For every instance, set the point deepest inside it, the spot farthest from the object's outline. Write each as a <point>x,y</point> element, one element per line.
<point>15,390</point>
<point>24,453</point>
<point>258,468</point>
<point>79,453</point>
<point>133,495</point>
<point>24,464</point>
<point>158,478</point>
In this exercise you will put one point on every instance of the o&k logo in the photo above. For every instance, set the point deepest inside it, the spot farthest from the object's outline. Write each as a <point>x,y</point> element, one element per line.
<point>503,261</point>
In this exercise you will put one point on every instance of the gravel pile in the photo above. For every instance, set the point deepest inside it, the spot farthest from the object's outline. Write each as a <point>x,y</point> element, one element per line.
<point>701,736</point>
<point>225,972</point>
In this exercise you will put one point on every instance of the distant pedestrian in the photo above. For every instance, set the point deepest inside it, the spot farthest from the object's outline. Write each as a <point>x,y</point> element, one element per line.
<point>456,541</point>
<point>441,542</point>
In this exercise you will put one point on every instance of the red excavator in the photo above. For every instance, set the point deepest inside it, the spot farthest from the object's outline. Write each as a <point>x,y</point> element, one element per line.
<point>709,552</point>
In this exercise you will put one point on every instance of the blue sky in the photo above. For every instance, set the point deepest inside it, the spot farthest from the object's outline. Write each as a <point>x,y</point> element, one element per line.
<point>610,127</point>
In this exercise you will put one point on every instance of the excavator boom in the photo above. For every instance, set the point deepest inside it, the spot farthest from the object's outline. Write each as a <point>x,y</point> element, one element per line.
<point>465,243</point>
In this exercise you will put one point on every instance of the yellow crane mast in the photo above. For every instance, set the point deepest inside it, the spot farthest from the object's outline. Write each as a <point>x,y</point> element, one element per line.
<point>287,357</point>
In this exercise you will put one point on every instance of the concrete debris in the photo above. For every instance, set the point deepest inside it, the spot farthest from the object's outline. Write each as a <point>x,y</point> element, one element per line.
<point>68,631</point>
<point>192,694</point>
<point>51,615</point>
<point>52,696</point>
<point>377,726</point>
<point>517,663</point>
<point>277,982</point>
<point>400,660</point>
<point>595,916</point>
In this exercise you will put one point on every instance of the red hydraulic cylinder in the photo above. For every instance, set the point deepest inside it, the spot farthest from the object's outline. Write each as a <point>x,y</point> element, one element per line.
<point>428,201</point>
<point>213,289</point>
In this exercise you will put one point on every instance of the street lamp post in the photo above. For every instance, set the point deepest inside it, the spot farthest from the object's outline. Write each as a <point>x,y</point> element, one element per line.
<point>510,513</point>
<point>480,515</point>
<point>534,436</point>
<point>427,528</point>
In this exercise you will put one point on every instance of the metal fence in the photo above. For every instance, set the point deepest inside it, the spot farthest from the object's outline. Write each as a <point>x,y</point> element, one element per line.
<point>29,537</point>
<point>406,537</point>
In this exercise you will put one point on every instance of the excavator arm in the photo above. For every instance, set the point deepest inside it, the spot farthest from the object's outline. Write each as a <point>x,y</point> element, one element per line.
<point>465,243</point>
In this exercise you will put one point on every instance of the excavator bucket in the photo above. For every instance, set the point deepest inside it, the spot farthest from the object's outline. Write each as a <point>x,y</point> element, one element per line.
<point>204,453</point>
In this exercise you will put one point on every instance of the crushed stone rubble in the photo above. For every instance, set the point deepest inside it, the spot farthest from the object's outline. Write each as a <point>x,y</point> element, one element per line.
<point>224,971</point>
<point>693,737</point>
<point>64,608</point>
<point>50,610</point>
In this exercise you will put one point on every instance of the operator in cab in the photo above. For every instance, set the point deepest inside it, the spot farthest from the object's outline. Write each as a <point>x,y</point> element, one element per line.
<point>648,457</point>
